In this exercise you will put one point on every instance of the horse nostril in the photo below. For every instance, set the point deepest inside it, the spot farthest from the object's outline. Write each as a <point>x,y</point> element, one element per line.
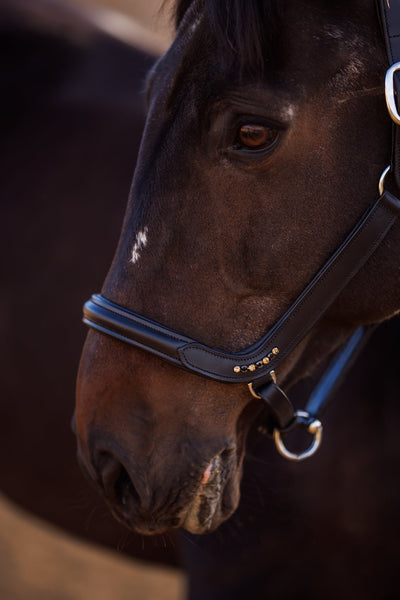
<point>115,480</point>
<point>124,489</point>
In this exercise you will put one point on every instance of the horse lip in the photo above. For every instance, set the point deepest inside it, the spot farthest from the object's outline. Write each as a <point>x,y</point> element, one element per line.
<point>210,472</point>
<point>204,512</point>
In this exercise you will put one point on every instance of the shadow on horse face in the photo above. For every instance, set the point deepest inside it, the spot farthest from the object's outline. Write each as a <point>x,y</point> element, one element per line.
<point>246,184</point>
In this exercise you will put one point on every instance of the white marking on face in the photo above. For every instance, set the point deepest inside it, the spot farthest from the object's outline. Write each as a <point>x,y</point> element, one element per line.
<point>140,243</point>
<point>288,111</point>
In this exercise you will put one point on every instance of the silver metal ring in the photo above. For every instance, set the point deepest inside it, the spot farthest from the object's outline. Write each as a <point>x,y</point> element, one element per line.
<point>389,93</point>
<point>315,428</point>
<point>381,185</point>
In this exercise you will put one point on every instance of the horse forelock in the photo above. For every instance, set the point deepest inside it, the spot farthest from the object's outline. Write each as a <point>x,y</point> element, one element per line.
<point>245,29</point>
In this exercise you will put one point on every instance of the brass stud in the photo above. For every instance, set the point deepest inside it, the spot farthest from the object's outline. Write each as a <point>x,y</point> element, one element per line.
<point>236,369</point>
<point>265,360</point>
<point>243,368</point>
<point>252,368</point>
<point>275,350</point>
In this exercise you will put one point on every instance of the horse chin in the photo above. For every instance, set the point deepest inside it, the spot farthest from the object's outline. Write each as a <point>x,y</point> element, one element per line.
<point>216,498</point>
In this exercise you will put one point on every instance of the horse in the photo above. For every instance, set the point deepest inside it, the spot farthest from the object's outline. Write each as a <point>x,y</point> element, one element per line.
<point>72,105</point>
<point>266,136</point>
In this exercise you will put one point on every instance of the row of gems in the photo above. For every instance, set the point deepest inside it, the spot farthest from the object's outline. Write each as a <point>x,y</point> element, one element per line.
<point>260,363</point>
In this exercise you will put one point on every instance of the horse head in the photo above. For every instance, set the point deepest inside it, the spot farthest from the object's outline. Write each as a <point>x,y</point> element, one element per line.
<point>266,135</point>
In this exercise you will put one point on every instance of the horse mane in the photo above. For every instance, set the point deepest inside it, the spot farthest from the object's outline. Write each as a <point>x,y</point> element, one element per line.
<point>246,29</point>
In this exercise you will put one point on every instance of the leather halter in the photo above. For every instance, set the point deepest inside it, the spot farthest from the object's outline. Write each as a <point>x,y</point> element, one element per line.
<point>256,364</point>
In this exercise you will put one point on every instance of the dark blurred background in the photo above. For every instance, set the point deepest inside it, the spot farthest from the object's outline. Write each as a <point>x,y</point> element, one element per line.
<point>71,118</point>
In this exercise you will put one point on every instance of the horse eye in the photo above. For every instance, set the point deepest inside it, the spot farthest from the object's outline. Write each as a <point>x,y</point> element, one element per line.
<point>255,137</point>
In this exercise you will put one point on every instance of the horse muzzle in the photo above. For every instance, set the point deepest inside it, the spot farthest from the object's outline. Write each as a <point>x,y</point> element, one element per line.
<point>183,494</point>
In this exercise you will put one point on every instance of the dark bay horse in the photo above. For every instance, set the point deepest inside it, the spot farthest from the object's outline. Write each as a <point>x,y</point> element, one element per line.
<point>266,136</point>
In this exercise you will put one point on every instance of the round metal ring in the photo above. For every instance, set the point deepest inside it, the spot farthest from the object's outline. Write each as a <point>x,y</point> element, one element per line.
<point>390,93</point>
<point>315,428</point>
<point>382,178</point>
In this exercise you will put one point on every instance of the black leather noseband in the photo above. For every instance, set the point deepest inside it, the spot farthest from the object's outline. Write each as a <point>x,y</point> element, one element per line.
<point>256,364</point>
<point>253,364</point>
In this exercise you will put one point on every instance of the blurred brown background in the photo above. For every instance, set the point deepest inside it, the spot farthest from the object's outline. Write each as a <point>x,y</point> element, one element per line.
<point>154,14</point>
<point>52,125</point>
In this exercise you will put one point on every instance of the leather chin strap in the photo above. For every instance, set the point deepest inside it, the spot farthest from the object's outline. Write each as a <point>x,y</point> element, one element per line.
<point>255,365</point>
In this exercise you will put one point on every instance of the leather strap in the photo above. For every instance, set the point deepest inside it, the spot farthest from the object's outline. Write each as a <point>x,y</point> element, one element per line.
<point>309,306</point>
<point>389,13</point>
<point>283,416</point>
<point>119,322</point>
<point>337,370</point>
<point>281,411</point>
